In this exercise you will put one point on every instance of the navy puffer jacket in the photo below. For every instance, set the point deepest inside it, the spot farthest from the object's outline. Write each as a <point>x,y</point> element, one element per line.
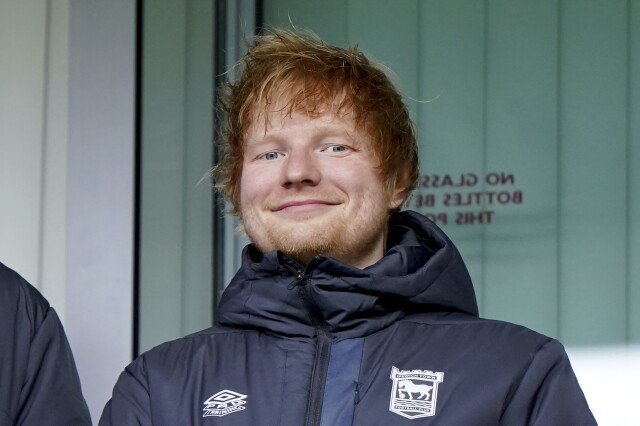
<point>397,343</point>
<point>39,383</point>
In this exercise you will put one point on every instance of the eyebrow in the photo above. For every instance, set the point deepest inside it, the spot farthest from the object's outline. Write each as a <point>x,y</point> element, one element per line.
<point>324,130</point>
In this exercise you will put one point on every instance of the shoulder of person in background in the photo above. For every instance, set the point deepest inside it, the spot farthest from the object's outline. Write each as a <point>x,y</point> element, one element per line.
<point>39,383</point>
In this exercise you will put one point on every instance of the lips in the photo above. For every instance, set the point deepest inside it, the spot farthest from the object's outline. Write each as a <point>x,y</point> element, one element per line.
<point>300,203</point>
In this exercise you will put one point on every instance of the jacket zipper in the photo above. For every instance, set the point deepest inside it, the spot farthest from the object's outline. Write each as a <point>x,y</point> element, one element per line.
<point>319,378</point>
<point>323,345</point>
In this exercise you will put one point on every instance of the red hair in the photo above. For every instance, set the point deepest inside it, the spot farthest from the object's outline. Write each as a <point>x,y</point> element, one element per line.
<point>311,76</point>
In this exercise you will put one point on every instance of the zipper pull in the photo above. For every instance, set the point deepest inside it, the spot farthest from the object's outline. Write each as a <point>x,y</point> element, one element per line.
<point>356,399</point>
<point>294,283</point>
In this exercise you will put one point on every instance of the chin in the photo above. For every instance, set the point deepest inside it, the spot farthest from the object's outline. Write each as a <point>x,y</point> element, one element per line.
<point>305,243</point>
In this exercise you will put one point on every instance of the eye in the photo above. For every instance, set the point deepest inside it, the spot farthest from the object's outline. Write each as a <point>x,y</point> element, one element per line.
<point>271,155</point>
<point>336,149</point>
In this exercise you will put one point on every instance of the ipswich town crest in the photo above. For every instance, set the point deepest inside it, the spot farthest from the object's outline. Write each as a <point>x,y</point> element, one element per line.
<point>415,392</point>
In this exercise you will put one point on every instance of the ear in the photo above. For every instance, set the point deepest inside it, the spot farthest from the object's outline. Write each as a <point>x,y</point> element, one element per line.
<point>398,191</point>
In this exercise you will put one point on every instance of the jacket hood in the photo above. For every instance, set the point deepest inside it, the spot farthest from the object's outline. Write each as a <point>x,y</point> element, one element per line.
<point>421,271</point>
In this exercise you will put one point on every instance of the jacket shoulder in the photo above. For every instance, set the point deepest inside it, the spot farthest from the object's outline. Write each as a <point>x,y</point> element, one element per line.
<point>19,300</point>
<point>193,340</point>
<point>521,376</point>
<point>489,334</point>
<point>191,349</point>
<point>156,373</point>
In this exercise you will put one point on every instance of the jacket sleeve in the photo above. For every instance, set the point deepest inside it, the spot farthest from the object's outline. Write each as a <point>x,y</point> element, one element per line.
<point>549,393</point>
<point>130,403</point>
<point>51,391</point>
<point>39,383</point>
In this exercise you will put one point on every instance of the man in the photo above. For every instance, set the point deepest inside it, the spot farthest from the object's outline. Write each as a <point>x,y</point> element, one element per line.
<point>39,384</point>
<point>345,311</point>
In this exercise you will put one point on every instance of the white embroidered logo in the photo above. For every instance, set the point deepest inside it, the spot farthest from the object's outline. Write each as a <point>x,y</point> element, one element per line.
<point>223,403</point>
<point>414,392</point>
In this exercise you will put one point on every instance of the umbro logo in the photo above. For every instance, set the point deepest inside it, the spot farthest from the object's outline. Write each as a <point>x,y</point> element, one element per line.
<point>223,403</point>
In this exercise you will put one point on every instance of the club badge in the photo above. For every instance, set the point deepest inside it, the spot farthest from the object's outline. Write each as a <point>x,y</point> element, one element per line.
<point>414,392</point>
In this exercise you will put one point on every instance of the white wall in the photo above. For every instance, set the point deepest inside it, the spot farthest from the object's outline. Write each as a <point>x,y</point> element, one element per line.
<point>67,73</point>
<point>609,378</point>
<point>33,143</point>
<point>100,201</point>
<point>23,82</point>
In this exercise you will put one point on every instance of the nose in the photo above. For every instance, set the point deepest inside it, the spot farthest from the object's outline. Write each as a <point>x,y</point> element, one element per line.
<point>300,169</point>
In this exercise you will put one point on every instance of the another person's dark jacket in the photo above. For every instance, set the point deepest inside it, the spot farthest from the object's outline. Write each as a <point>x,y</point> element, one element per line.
<point>397,343</point>
<point>39,384</point>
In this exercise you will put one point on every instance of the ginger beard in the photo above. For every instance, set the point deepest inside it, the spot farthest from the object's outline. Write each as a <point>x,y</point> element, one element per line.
<point>302,158</point>
<point>338,234</point>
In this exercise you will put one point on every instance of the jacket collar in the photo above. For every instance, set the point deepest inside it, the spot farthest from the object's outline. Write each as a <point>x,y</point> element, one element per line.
<point>421,271</point>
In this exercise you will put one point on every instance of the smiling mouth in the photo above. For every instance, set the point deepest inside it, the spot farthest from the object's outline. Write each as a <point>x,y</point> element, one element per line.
<point>304,206</point>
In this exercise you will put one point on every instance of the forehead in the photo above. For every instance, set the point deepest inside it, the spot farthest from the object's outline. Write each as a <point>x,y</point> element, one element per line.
<point>277,104</point>
<point>280,123</point>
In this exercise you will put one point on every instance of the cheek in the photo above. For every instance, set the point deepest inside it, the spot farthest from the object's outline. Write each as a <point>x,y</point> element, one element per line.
<point>250,189</point>
<point>359,180</point>
<point>368,192</point>
<point>257,180</point>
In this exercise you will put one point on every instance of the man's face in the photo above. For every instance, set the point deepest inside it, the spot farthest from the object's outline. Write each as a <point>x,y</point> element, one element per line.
<point>310,186</point>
